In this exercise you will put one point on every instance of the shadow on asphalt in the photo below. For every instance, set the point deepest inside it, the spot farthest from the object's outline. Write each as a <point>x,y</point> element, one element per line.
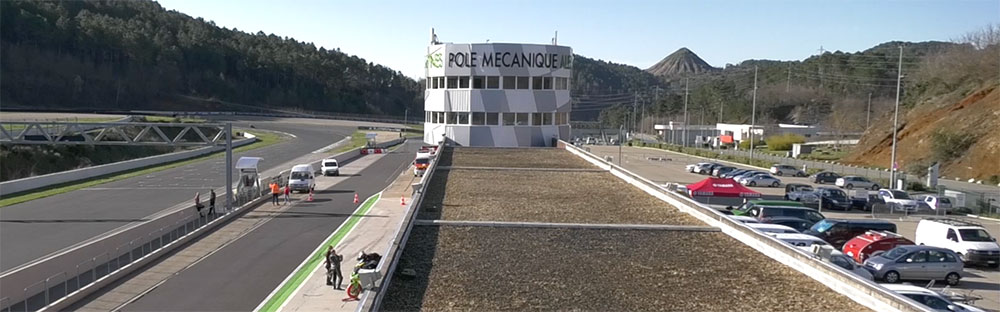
<point>334,191</point>
<point>74,221</point>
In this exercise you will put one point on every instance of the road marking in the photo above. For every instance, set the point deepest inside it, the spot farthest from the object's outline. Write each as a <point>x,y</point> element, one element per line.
<point>144,188</point>
<point>331,146</point>
<point>279,297</point>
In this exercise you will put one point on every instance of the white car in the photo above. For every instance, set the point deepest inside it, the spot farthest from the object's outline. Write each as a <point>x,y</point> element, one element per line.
<point>932,299</point>
<point>783,170</point>
<point>329,166</point>
<point>762,180</point>
<point>692,168</point>
<point>898,200</point>
<point>936,203</point>
<point>852,182</point>
<point>772,228</point>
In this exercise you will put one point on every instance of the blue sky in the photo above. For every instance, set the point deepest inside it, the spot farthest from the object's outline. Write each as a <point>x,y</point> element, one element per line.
<point>639,33</point>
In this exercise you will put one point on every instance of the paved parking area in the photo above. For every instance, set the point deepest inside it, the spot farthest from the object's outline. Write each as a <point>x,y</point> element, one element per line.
<point>669,167</point>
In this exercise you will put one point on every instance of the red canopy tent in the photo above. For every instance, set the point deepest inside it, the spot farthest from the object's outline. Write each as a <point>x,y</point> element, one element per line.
<point>720,187</point>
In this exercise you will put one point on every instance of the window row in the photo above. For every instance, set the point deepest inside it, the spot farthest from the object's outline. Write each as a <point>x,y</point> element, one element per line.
<point>494,82</point>
<point>496,119</point>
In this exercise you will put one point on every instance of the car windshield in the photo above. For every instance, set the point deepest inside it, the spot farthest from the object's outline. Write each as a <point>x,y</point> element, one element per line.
<point>805,214</point>
<point>423,161</point>
<point>834,193</point>
<point>330,164</point>
<point>300,175</point>
<point>900,195</point>
<point>975,235</point>
<point>944,200</point>
<point>822,226</point>
<point>895,253</point>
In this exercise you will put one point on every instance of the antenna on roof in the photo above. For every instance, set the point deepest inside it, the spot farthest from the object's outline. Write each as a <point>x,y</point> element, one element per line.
<point>434,37</point>
<point>555,40</point>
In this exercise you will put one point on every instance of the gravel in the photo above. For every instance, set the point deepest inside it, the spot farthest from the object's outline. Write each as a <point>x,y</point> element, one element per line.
<point>517,269</point>
<point>544,196</point>
<point>512,158</point>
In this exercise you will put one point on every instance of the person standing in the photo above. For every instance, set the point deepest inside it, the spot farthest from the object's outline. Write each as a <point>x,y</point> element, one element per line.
<point>275,191</point>
<point>288,191</point>
<point>197,203</point>
<point>211,203</point>
<point>333,274</point>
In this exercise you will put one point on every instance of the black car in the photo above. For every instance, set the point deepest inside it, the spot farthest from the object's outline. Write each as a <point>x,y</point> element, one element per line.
<point>798,224</point>
<point>734,173</point>
<point>719,171</point>
<point>826,177</point>
<point>833,198</point>
<point>839,231</point>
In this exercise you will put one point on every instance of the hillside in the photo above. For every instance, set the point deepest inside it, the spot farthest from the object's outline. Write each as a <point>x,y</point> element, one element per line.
<point>680,63</point>
<point>138,55</point>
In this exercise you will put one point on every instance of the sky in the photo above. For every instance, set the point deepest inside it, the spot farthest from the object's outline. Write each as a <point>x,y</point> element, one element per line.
<point>638,33</point>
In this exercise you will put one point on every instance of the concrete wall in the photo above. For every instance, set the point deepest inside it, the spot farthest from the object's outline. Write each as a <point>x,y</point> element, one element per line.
<point>30,183</point>
<point>862,291</point>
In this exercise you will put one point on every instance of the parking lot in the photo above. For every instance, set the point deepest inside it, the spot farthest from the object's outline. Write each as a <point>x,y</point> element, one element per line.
<point>668,167</point>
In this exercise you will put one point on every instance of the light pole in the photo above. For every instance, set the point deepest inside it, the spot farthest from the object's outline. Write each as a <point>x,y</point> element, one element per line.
<point>868,117</point>
<point>684,138</point>
<point>753,112</point>
<point>895,122</point>
<point>621,129</point>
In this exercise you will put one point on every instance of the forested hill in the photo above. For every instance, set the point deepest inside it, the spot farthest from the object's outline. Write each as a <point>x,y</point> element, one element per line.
<point>138,55</point>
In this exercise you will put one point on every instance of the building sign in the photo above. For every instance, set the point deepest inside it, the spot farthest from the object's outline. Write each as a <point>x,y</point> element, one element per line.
<point>509,59</point>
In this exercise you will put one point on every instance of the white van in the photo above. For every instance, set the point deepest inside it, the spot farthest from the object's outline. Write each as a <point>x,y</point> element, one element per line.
<point>302,178</point>
<point>969,240</point>
<point>329,166</point>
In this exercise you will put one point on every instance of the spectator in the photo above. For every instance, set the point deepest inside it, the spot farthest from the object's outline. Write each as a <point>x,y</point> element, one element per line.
<point>333,268</point>
<point>288,191</point>
<point>275,191</point>
<point>197,203</point>
<point>211,203</point>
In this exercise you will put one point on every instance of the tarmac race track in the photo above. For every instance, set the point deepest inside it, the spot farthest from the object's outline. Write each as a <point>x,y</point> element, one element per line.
<point>239,276</point>
<point>37,228</point>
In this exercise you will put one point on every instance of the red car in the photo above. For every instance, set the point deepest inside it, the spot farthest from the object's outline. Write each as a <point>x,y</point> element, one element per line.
<point>863,246</point>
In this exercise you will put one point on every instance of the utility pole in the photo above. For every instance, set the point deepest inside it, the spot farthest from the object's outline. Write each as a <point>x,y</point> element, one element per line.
<point>788,81</point>
<point>229,167</point>
<point>895,121</point>
<point>635,100</point>
<point>685,138</point>
<point>868,117</point>
<point>753,112</point>
<point>821,68</point>
<point>406,115</point>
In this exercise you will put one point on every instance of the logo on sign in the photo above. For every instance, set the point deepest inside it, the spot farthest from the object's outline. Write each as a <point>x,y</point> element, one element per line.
<point>722,185</point>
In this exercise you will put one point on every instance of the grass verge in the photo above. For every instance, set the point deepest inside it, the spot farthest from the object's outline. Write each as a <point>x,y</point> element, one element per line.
<point>264,139</point>
<point>357,140</point>
<point>173,119</point>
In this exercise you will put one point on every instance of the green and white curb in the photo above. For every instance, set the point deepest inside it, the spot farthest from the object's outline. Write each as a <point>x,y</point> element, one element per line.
<point>279,297</point>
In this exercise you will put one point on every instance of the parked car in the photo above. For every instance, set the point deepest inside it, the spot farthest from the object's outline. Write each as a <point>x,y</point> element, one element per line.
<point>763,180</point>
<point>771,228</point>
<point>744,209</point>
<point>839,259</point>
<point>932,299</point>
<point>935,203</point>
<point>694,168</point>
<point>786,170</point>
<point>734,173</point>
<point>859,198</point>
<point>764,212</point>
<point>839,231</point>
<point>744,219</point>
<point>912,262</point>
<point>898,200</point>
<point>719,171</point>
<point>828,198</point>
<point>873,243</point>
<point>329,166</point>
<point>796,223</point>
<point>967,239</point>
<point>798,239</point>
<point>826,177</point>
<point>795,191</point>
<point>851,182</point>
<point>748,175</point>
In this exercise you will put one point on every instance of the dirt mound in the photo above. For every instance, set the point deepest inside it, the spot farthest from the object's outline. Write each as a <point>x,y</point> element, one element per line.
<point>681,62</point>
<point>977,116</point>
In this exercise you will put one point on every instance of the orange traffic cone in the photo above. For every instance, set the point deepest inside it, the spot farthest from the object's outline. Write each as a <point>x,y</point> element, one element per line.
<point>402,201</point>
<point>310,195</point>
<point>355,198</point>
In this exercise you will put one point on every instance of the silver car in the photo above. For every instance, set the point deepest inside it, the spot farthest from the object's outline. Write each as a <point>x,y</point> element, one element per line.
<point>912,262</point>
<point>762,180</point>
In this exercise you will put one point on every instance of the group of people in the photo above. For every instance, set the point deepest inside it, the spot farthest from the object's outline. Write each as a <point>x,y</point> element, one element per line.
<point>333,268</point>
<point>199,206</point>
<point>276,191</point>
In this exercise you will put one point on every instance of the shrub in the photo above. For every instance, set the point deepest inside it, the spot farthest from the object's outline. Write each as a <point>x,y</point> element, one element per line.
<point>949,145</point>
<point>745,144</point>
<point>784,142</point>
<point>917,187</point>
<point>994,179</point>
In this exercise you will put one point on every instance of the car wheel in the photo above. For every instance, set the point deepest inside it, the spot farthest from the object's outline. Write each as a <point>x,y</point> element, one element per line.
<point>891,277</point>
<point>875,187</point>
<point>778,173</point>
<point>952,278</point>
<point>775,184</point>
<point>849,186</point>
<point>752,183</point>
<point>819,181</point>
<point>800,174</point>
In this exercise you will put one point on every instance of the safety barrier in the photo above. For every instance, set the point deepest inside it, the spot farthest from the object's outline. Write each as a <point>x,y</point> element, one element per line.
<point>372,299</point>
<point>31,183</point>
<point>862,291</point>
<point>90,265</point>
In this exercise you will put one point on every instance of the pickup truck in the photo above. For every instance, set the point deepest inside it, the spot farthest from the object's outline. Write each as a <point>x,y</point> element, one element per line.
<point>897,200</point>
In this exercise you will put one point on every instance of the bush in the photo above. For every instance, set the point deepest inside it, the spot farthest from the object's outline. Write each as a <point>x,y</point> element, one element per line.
<point>950,145</point>
<point>745,144</point>
<point>994,179</point>
<point>917,187</point>
<point>784,142</point>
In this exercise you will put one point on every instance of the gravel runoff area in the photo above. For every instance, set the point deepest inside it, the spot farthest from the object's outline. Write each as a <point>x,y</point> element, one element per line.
<point>512,158</point>
<point>544,196</point>
<point>516,269</point>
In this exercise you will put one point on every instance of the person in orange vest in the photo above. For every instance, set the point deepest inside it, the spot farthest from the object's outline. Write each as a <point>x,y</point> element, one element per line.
<point>275,191</point>
<point>288,191</point>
